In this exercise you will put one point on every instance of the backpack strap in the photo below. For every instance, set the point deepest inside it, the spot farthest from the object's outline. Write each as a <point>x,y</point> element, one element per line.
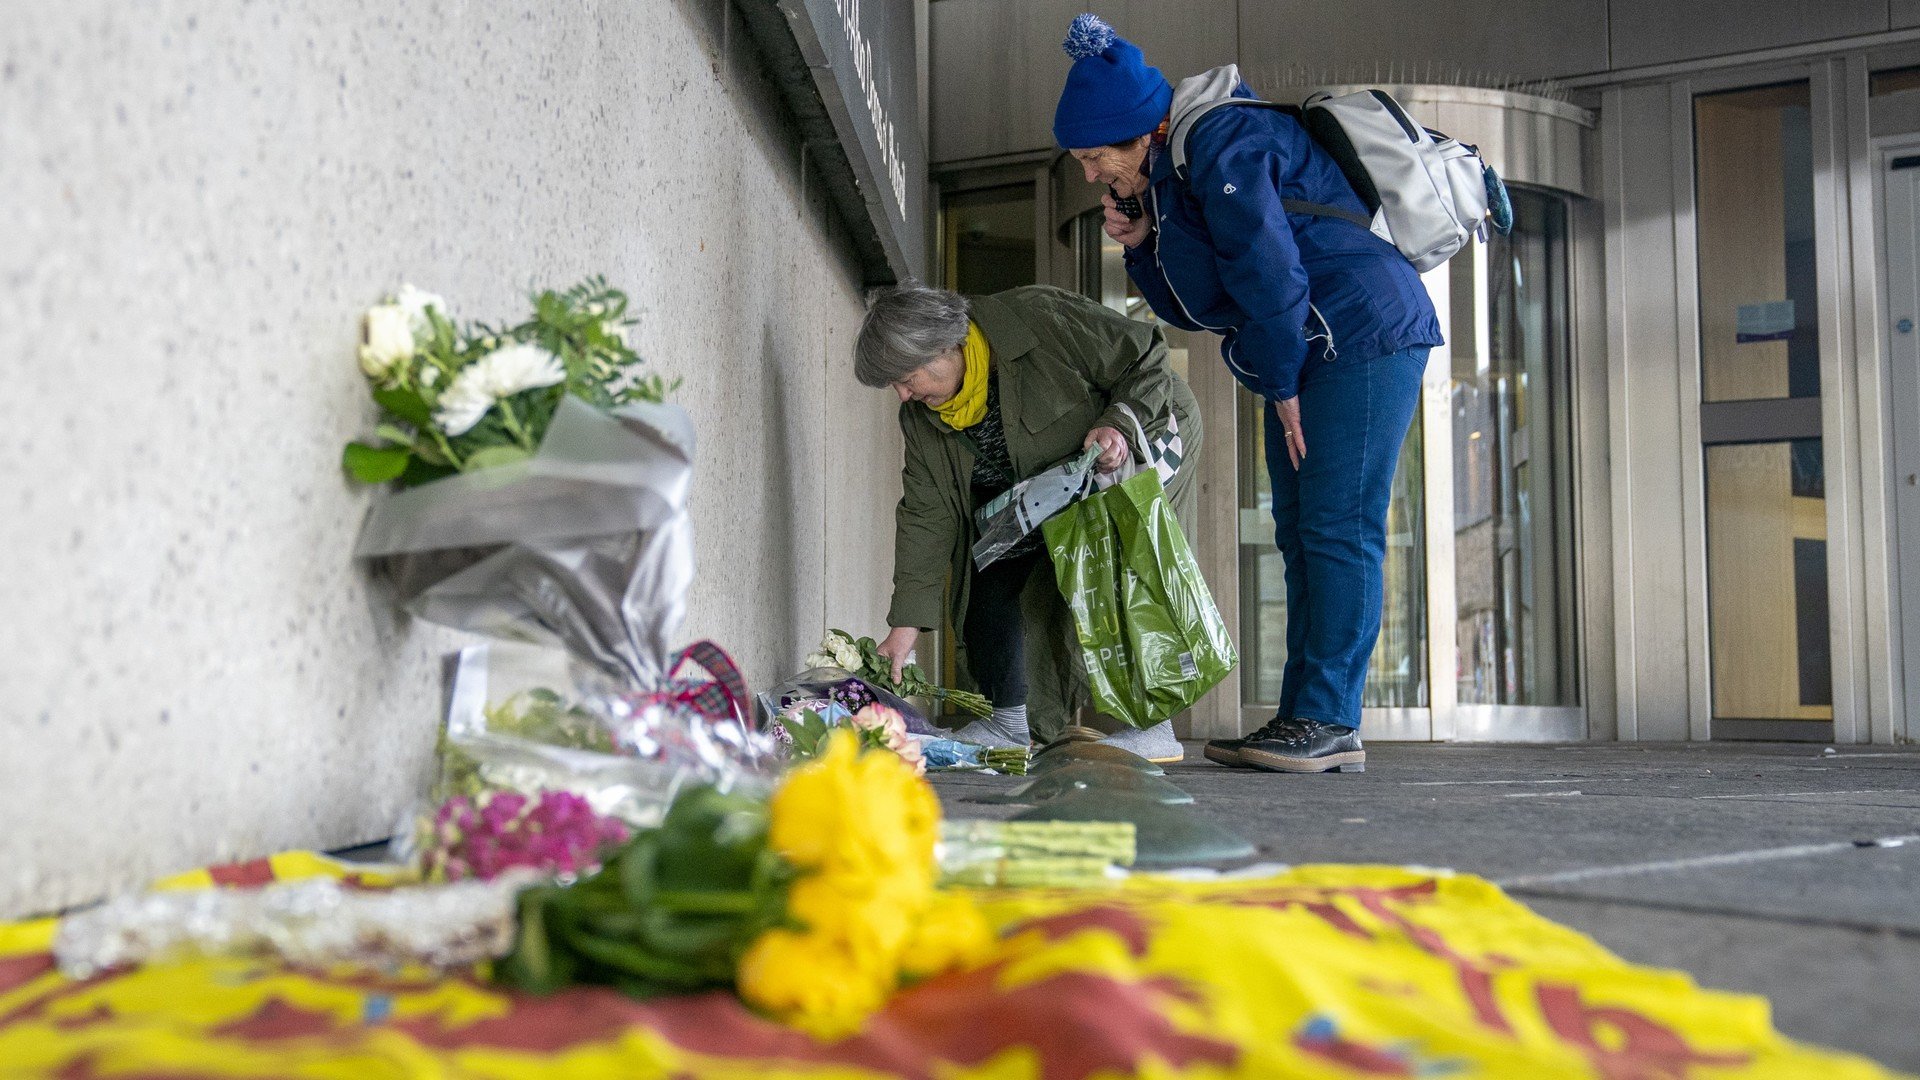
<point>1177,146</point>
<point>1177,143</point>
<point>1301,206</point>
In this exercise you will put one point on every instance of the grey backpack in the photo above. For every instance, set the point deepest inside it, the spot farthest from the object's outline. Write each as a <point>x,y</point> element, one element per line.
<point>1428,194</point>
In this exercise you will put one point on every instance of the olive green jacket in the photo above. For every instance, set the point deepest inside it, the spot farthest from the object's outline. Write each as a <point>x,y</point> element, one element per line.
<point>1064,362</point>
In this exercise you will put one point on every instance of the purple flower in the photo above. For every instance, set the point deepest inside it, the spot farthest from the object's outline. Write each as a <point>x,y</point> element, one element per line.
<point>553,832</point>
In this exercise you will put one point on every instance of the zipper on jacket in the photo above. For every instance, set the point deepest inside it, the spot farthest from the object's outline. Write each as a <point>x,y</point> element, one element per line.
<point>1159,224</point>
<point>1331,353</point>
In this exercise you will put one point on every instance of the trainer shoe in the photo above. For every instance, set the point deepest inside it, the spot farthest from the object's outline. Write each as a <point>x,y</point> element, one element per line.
<point>1306,746</point>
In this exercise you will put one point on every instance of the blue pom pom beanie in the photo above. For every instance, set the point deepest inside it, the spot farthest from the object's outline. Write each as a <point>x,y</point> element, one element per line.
<point>1111,94</point>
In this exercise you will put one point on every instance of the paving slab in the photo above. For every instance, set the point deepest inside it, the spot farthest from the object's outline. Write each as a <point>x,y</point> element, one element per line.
<point>1780,869</point>
<point>1832,986</point>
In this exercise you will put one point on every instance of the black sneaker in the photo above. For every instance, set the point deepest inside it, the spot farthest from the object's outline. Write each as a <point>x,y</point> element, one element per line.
<point>1305,746</point>
<point>1227,751</point>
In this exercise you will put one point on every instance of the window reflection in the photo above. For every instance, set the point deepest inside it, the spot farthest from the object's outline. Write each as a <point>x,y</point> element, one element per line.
<point>1512,465</point>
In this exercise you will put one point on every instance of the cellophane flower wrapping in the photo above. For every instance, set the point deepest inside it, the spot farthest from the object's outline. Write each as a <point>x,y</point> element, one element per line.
<point>582,552</point>
<point>836,693</point>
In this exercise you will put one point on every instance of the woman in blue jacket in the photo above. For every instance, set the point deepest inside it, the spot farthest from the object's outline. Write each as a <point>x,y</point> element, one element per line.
<point>1326,321</point>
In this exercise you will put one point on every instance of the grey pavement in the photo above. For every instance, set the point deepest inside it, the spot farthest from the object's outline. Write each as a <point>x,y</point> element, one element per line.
<point>1784,870</point>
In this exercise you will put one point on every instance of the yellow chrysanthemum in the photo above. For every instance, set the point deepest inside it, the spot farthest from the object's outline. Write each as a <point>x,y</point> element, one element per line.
<point>811,984</point>
<point>861,827</point>
<point>951,933</point>
<point>870,919</point>
<point>861,814</point>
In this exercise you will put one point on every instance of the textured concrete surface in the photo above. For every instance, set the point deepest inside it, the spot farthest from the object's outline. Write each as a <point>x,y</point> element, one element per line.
<point>200,198</point>
<point>1781,870</point>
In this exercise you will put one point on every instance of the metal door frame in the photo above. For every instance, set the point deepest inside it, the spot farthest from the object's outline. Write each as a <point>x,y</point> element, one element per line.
<point>1902,417</point>
<point>1830,83</point>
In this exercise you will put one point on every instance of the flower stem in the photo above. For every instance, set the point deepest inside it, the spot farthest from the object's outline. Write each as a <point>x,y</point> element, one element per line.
<point>513,424</point>
<point>446,448</point>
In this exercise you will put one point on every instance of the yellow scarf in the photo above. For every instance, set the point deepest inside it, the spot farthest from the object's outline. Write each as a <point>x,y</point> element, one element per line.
<point>968,406</point>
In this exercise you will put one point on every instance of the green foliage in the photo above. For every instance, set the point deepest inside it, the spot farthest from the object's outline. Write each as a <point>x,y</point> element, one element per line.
<point>671,911</point>
<point>913,682</point>
<point>543,716</point>
<point>374,464</point>
<point>586,327</point>
<point>405,405</point>
<point>538,715</point>
<point>809,733</point>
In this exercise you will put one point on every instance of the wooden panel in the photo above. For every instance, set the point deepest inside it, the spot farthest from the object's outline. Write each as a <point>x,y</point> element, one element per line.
<point>998,68</point>
<point>1742,237</point>
<point>1664,31</point>
<point>1425,42</point>
<point>1753,519</point>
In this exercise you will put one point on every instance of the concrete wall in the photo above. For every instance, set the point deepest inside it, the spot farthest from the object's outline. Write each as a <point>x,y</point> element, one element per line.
<point>200,199</point>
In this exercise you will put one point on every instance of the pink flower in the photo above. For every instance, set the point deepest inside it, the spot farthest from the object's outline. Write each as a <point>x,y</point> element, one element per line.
<point>910,752</point>
<point>553,832</point>
<point>891,729</point>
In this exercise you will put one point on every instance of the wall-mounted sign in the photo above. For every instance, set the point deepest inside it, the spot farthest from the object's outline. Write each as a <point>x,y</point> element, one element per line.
<point>863,56</point>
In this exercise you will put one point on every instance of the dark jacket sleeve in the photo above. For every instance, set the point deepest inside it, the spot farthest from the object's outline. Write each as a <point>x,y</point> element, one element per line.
<point>926,529</point>
<point>1238,188</point>
<point>1147,276</point>
<point>1126,360</point>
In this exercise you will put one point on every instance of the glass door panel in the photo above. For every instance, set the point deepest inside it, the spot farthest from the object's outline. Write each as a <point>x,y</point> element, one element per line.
<point>1759,303</point>
<point>1767,610</point>
<point>1397,677</point>
<point>1512,465</point>
<point>1767,581</point>
<point>989,239</point>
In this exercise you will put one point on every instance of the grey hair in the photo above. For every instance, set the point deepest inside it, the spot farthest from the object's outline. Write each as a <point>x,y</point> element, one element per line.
<point>906,327</point>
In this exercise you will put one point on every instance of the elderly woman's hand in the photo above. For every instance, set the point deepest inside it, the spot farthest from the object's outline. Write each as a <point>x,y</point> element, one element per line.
<point>1113,448</point>
<point>1129,231</point>
<point>898,648</point>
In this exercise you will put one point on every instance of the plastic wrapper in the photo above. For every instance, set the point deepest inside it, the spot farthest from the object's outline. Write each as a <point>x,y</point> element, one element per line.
<point>1028,504</point>
<point>586,545</point>
<point>315,923</point>
<point>577,562</point>
<point>627,755</point>
<point>831,685</point>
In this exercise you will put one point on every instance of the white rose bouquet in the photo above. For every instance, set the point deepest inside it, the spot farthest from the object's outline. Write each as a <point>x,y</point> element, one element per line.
<point>457,400</point>
<point>861,656</point>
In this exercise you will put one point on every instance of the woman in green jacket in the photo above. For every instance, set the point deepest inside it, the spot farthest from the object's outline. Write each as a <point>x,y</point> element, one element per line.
<point>992,390</point>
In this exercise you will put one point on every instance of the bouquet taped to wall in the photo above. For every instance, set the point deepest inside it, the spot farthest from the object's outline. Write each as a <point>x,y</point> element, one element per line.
<point>542,500</point>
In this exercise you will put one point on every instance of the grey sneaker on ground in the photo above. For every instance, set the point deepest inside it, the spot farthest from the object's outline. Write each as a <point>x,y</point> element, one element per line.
<point>1157,743</point>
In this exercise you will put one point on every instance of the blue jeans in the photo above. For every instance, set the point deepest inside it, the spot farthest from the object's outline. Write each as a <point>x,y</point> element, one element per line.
<point>1330,522</point>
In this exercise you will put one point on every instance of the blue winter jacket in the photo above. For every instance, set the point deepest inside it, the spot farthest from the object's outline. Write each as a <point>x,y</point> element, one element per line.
<point>1226,256</point>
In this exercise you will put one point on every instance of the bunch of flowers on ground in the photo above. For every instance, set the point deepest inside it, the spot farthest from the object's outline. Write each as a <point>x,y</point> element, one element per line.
<point>861,656</point>
<point>813,905</point>
<point>877,726</point>
<point>456,399</point>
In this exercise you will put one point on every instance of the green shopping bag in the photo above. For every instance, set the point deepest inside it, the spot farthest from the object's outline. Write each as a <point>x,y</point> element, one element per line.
<point>1151,639</point>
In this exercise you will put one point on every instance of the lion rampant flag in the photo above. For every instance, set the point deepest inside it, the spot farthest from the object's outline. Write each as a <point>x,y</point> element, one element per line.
<point>1322,971</point>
